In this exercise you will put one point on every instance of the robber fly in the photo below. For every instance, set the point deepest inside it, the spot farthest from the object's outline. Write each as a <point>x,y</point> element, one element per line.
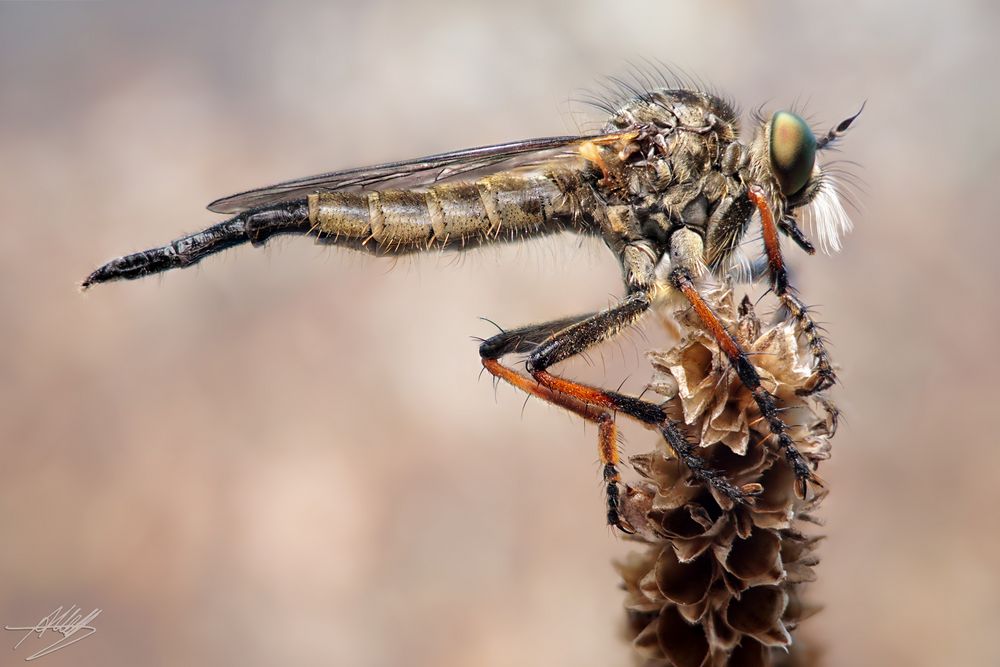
<point>667,184</point>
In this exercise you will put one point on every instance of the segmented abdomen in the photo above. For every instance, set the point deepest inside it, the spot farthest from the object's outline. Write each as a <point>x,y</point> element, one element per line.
<point>502,207</point>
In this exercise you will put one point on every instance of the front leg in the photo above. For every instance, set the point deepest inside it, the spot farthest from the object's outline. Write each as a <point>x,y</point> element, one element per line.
<point>823,376</point>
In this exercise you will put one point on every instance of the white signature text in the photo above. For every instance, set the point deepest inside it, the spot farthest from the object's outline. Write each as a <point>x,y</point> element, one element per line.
<point>71,624</point>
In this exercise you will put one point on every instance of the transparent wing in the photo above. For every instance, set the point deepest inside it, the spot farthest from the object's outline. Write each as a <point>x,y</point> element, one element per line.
<point>415,173</point>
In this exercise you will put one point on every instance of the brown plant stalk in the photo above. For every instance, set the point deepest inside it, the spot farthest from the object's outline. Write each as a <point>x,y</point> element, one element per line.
<point>715,583</point>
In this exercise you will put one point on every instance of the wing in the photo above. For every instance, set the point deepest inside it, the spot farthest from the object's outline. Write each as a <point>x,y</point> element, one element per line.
<point>415,173</point>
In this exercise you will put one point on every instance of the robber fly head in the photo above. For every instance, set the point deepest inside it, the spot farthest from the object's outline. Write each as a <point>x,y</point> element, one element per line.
<point>784,156</point>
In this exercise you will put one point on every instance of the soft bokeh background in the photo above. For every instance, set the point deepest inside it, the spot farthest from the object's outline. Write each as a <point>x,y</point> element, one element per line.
<point>286,456</point>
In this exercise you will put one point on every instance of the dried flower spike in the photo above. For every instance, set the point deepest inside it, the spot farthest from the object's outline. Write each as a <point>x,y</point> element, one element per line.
<point>717,583</point>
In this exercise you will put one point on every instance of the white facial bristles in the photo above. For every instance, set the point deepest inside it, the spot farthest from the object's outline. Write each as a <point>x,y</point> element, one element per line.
<point>825,217</point>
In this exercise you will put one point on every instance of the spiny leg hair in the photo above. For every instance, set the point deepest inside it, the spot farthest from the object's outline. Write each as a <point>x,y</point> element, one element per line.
<point>569,337</point>
<point>823,376</point>
<point>681,280</point>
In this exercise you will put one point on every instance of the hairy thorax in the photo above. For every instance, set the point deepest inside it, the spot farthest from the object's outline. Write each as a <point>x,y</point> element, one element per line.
<point>678,164</point>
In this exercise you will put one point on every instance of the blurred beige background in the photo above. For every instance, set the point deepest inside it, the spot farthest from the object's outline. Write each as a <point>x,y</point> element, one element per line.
<point>285,456</point>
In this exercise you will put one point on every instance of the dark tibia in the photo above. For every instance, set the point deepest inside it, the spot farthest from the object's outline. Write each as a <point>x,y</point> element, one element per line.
<point>525,339</point>
<point>551,342</point>
<point>588,332</point>
<point>254,227</point>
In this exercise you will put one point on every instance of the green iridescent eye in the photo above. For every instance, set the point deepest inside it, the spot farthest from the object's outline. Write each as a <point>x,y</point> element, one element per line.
<point>793,151</point>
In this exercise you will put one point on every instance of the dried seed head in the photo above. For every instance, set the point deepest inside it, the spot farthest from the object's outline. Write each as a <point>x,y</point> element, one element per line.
<point>717,583</point>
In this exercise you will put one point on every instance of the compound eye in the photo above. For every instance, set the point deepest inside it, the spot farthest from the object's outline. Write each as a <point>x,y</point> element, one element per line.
<point>793,151</point>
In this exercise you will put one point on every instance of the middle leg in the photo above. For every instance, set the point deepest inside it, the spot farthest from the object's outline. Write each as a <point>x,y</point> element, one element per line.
<point>681,279</point>
<point>566,338</point>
